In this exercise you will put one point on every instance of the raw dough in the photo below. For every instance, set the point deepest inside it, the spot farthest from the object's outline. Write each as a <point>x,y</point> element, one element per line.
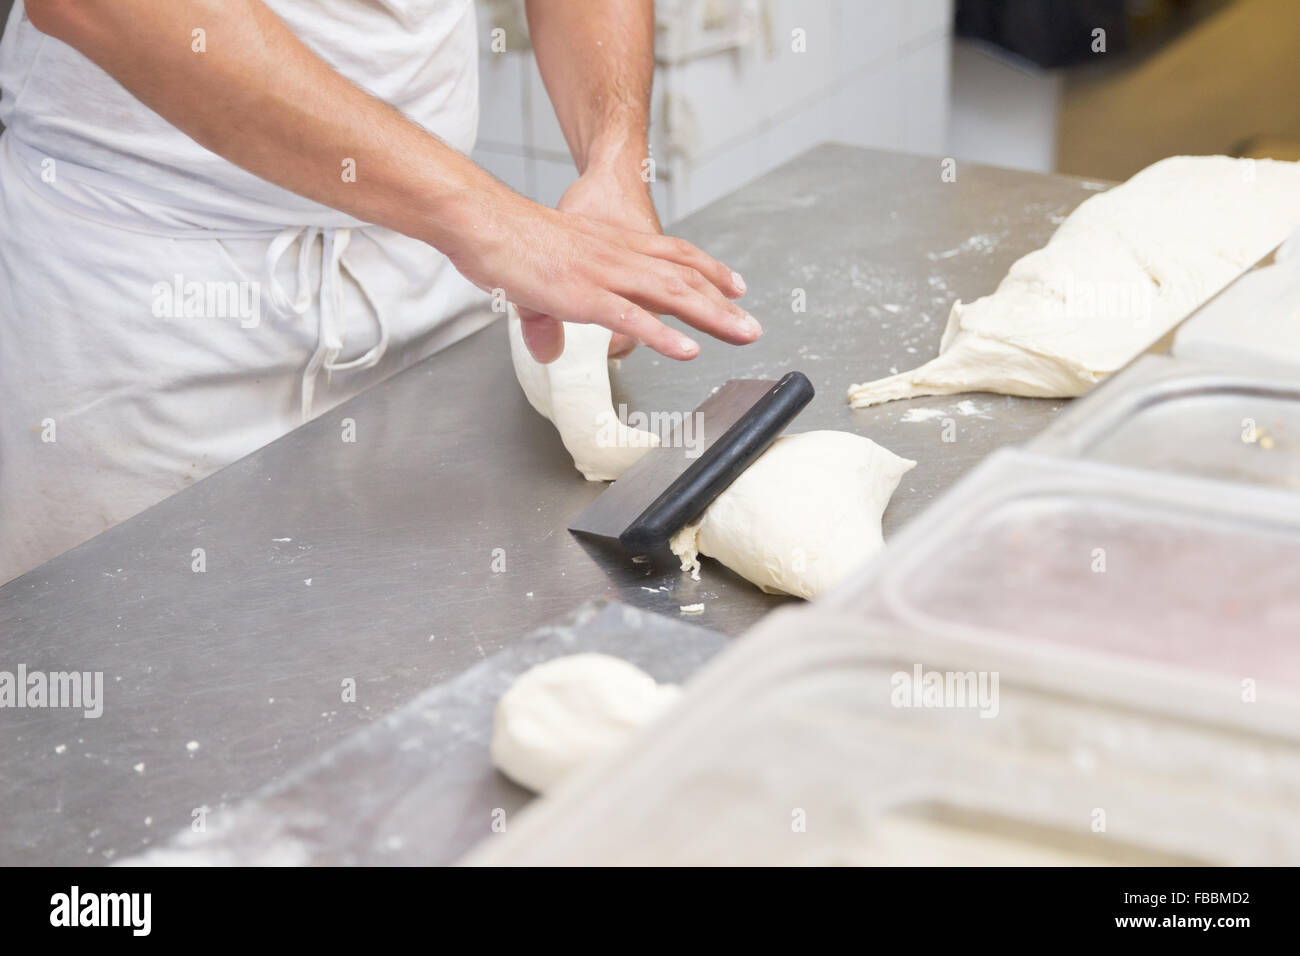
<point>561,715</point>
<point>1122,269</point>
<point>573,392</point>
<point>800,518</point>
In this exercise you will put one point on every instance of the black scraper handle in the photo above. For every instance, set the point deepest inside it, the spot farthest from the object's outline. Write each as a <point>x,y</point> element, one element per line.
<point>719,465</point>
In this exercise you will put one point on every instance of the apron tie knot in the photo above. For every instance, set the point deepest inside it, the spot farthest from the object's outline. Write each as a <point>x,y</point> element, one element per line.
<point>333,323</point>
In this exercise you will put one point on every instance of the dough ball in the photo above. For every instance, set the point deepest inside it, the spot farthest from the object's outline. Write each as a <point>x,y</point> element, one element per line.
<point>561,715</point>
<point>803,516</point>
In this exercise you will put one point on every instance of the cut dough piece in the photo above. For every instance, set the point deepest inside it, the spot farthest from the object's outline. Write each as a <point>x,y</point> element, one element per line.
<point>803,516</point>
<point>1122,269</point>
<point>565,713</point>
<point>573,393</point>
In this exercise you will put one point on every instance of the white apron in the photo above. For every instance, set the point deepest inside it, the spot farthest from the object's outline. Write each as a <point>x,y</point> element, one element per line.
<point>163,312</point>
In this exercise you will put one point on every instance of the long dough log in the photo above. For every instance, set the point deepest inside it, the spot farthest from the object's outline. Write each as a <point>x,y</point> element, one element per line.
<point>1122,270</point>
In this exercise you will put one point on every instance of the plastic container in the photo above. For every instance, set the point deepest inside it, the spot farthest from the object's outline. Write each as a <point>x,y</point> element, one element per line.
<point>1191,418</point>
<point>792,748</point>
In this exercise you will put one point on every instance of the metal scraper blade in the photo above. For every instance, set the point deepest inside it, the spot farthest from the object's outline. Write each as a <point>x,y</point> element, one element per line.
<point>671,485</point>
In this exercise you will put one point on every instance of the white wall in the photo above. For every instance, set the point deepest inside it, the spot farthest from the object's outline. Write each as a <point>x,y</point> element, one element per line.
<point>1004,110</point>
<point>735,99</point>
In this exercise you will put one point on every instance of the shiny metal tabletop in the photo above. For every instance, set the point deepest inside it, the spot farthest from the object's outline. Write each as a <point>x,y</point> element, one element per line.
<point>439,536</point>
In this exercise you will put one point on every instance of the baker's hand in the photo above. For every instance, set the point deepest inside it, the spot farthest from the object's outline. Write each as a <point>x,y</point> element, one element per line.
<point>599,258</point>
<point>601,194</point>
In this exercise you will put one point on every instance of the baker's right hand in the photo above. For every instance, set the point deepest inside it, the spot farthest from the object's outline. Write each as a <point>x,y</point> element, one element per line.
<point>576,269</point>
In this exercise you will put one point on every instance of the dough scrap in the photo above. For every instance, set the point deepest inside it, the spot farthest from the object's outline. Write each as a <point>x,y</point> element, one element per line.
<point>567,712</point>
<point>573,393</point>
<point>802,517</point>
<point>1122,269</point>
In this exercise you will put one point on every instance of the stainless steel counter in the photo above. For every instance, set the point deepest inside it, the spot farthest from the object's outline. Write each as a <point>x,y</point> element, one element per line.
<point>374,561</point>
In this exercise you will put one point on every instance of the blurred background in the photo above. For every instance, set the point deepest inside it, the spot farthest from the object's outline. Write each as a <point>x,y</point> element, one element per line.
<point>1096,88</point>
<point>1011,82</point>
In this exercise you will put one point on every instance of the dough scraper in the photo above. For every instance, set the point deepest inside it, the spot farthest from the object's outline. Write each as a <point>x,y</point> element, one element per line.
<point>672,484</point>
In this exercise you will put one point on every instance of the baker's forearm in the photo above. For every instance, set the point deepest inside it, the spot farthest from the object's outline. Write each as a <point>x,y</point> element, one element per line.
<point>260,98</point>
<point>597,60</point>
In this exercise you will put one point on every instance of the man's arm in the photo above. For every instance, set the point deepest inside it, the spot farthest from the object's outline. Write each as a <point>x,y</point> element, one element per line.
<point>597,61</point>
<point>261,99</point>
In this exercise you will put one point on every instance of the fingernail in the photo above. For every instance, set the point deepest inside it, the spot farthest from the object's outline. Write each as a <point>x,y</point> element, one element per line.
<point>750,324</point>
<point>687,346</point>
<point>738,282</point>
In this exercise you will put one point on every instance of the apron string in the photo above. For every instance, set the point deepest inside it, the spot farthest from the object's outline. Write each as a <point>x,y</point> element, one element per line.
<point>333,323</point>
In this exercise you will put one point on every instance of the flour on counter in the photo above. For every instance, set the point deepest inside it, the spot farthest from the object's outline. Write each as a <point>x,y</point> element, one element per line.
<point>965,408</point>
<point>922,415</point>
<point>982,244</point>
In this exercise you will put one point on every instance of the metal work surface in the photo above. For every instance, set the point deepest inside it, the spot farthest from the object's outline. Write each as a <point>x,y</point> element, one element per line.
<point>418,786</point>
<point>437,537</point>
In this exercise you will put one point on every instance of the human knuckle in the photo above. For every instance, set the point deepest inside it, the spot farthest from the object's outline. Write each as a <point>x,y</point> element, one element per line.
<point>681,247</point>
<point>675,285</point>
